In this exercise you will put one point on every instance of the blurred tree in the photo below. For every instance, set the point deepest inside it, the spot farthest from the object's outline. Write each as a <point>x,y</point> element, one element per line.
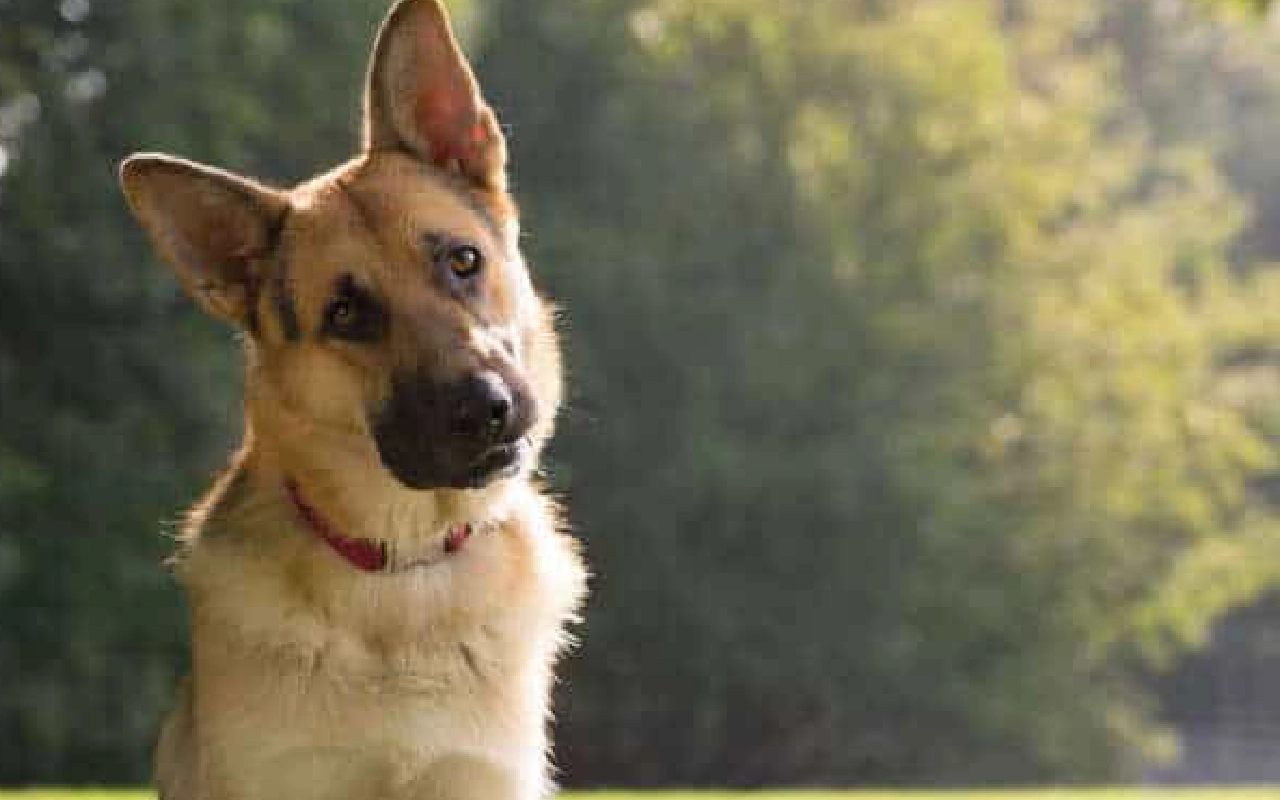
<point>900,410</point>
<point>1210,84</point>
<point>1239,6</point>
<point>1214,86</point>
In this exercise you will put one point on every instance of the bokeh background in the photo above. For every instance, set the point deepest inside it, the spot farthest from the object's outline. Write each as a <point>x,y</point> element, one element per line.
<point>925,360</point>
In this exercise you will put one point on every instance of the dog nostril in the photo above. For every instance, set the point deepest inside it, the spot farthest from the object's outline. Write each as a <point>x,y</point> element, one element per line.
<point>485,408</point>
<point>499,412</point>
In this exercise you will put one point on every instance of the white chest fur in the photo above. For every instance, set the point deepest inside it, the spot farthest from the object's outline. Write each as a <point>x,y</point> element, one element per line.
<point>314,679</point>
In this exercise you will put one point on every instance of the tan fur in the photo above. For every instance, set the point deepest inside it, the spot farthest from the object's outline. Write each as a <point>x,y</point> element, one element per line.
<point>312,679</point>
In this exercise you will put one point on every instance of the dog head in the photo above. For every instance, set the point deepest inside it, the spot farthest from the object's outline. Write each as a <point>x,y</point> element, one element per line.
<point>385,305</point>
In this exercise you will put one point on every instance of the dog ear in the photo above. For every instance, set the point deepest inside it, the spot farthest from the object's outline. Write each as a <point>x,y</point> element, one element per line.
<point>210,225</point>
<point>421,96</point>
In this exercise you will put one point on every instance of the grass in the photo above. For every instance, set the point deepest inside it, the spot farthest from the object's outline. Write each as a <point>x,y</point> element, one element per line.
<point>1009,794</point>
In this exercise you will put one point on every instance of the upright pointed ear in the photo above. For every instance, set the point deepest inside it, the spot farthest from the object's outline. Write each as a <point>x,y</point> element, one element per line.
<point>421,96</point>
<point>210,225</point>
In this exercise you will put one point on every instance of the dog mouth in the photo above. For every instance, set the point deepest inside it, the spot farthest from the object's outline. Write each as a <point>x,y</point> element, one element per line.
<point>462,435</point>
<point>494,463</point>
<point>499,461</point>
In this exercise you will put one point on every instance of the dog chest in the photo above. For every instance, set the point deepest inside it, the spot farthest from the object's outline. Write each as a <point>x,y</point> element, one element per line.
<point>350,716</point>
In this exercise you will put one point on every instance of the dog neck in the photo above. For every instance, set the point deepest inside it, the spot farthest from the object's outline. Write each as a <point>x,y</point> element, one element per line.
<point>345,499</point>
<point>371,555</point>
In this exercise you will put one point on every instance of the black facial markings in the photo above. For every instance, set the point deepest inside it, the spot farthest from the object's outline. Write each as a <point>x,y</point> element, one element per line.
<point>282,301</point>
<point>435,243</point>
<point>354,313</point>
<point>277,226</point>
<point>251,322</point>
<point>470,658</point>
<point>253,284</point>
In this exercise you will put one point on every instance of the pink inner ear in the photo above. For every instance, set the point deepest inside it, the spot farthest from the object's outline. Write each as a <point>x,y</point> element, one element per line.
<point>447,119</point>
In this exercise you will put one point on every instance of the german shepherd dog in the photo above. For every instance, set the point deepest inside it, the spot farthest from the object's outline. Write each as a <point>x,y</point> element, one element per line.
<point>378,589</point>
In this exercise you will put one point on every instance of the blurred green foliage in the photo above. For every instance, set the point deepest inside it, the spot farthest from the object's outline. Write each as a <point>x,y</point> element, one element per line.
<point>922,355</point>
<point>1251,7</point>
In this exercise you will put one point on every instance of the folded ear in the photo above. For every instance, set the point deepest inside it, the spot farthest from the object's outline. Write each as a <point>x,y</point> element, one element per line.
<point>421,96</point>
<point>210,225</point>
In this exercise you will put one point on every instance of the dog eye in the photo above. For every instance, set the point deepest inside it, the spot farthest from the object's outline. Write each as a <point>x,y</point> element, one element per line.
<point>465,261</point>
<point>339,314</point>
<point>354,314</point>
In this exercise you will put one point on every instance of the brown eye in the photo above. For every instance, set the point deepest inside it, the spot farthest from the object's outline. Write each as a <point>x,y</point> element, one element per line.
<point>354,314</point>
<point>340,314</point>
<point>465,261</point>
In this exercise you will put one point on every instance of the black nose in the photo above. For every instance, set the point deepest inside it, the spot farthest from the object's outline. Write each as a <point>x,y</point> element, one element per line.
<point>484,408</point>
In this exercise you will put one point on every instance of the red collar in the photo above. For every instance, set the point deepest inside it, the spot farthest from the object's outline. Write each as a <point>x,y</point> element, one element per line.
<point>363,554</point>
